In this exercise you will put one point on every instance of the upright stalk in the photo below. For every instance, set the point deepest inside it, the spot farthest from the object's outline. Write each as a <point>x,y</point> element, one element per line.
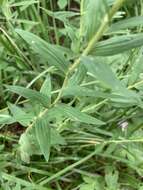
<point>93,41</point>
<point>108,17</point>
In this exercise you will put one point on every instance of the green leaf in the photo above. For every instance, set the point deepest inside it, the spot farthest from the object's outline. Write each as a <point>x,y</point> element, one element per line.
<point>83,92</point>
<point>62,15</point>
<point>102,72</point>
<point>30,186</point>
<point>6,119</point>
<point>126,23</point>
<point>136,68</point>
<point>28,145</point>
<point>92,13</point>
<point>46,51</point>
<point>33,95</point>
<point>46,88</point>
<point>56,138</point>
<point>23,3</point>
<point>111,178</point>
<point>105,75</point>
<point>88,186</point>
<point>92,183</point>
<point>78,76</point>
<point>19,115</point>
<point>117,45</point>
<point>62,3</point>
<point>74,114</point>
<point>43,135</point>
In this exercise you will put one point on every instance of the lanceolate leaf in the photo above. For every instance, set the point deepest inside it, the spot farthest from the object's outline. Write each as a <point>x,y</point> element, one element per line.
<point>46,88</point>
<point>117,45</point>
<point>50,53</point>
<point>74,114</point>
<point>28,145</point>
<point>19,115</point>
<point>33,95</point>
<point>78,76</point>
<point>92,13</point>
<point>83,92</point>
<point>102,72</point>
<point>136,68</point>
<point>105,75</point>
<point>61,15</point>
<point>127,23</point>
<point>29,142</point>
<point>43,135</point>
<point>6,119</point>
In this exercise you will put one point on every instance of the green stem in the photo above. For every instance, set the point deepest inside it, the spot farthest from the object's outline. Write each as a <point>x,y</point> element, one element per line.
<point>108,17</point>
<point>95,39</point>
<point>68,168</point>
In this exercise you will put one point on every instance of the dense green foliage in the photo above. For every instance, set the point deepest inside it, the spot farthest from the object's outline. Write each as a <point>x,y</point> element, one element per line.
<point>71,86</point>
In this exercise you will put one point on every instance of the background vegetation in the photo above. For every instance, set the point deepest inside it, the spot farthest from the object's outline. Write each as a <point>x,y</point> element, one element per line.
<point>71,87</point>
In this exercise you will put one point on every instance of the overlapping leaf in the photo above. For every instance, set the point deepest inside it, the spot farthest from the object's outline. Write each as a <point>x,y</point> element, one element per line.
<point>33,95</point>
<point>50,53</point>
<point>127,24</point>
<point>43,135</point>
<point>92,13</point>
<point>105,75</point>
<point>73,114</point>
<point>117,45</point>
<point>19,115</point>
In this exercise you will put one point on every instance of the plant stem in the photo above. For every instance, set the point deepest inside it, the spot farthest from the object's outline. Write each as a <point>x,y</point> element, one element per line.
<point>58,174</point>
<point>95,39</point>
<point>108,17</point>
